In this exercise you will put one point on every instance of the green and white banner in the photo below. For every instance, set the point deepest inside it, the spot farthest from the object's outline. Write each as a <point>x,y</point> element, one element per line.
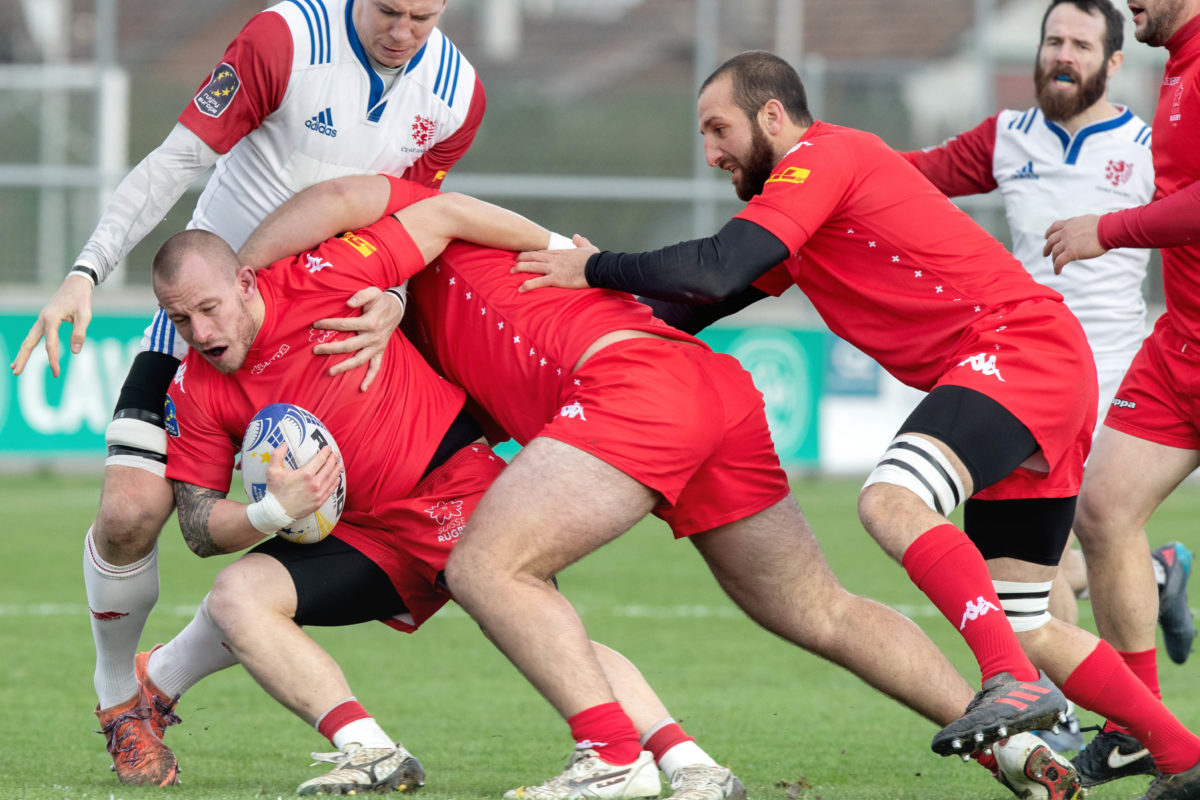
<point>46,417</point>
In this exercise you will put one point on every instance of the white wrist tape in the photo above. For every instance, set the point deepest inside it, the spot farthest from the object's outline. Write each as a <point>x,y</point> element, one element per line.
<point>267,515</point>
<point>559,242</point>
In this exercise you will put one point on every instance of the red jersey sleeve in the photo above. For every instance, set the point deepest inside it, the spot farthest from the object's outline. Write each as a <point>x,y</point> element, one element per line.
<point>962,164</point>
<point>404,193</point>
<point>199,451</point>
<point>1171,221</point>
<point>802,192</point>
<point>775,282</point>
<point>389,256</point>
<point>432,167</point>
<point>246,86</point>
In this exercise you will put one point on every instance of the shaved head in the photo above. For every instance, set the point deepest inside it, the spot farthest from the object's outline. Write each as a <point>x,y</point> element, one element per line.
<point>193,246</point>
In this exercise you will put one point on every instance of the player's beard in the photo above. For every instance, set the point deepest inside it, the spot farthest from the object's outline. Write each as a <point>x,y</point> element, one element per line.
<point>1162,24</point>
<point>1062,106</point>
<point>756,166</point>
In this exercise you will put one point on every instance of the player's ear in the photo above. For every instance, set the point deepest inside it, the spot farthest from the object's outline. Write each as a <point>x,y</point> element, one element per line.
<point>246,281</point>
<point>771,117</point>
<point>1114,62</point>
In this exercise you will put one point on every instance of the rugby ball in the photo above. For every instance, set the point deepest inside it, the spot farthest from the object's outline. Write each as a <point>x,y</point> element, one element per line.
<point>281,423</point>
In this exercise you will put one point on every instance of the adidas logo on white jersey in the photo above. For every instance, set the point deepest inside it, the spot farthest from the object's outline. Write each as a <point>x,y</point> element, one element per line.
<point>322,123</point>
<point>1026,172</point>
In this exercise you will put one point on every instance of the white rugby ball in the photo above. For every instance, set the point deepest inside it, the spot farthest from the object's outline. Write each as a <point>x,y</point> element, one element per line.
<point>281,423</point>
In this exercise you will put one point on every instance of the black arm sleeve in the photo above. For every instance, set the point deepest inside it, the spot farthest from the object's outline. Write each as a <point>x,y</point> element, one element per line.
<point>700,271</point>
<point>691,318</point>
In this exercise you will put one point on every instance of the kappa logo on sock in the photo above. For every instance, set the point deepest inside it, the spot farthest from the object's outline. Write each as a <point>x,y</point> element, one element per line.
<point>976,609</point>
<point>108,616</point>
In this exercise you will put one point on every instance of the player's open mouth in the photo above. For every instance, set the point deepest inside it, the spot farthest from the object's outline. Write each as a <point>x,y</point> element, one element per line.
<point>215,353</point>
<point>1063,78</point>
<point>1137,10</point>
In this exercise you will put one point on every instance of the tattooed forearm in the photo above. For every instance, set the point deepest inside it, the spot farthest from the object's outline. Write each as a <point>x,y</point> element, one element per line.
<point>195,504</point>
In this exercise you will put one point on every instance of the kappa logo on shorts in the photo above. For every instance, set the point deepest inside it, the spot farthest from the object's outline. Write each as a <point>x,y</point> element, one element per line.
<point>976,609</point>
<point>1119,403</point>
<point>218,93</point>
<point>573,411</point>
<point>984,364</point>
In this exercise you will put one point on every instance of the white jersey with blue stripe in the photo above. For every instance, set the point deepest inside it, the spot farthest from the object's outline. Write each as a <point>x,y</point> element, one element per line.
<point>1048,174</point>
<point>336,119</point>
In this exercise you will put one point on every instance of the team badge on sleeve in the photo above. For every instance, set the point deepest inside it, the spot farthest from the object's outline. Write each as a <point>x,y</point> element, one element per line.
<point>170,418</point>
<point>219,92</point>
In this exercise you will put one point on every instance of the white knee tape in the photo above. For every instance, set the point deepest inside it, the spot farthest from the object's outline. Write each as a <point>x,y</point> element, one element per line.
<point>126,436</point>
<point>1026,605</point>
<point>132,432</point>
<point>918,465</point>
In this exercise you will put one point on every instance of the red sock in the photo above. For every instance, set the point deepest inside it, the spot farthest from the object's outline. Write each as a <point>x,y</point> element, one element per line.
<point>665,738</point>
<point>1104,683</point>
<point>339,717</point>
<point>1144,665</point>
<point>948,568</point>
<point>607,729</point>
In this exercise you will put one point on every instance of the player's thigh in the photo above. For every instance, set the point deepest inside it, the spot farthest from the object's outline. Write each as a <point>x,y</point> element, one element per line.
<point>550,507</point>
<point>1125,480</point>
<point>769,562</point>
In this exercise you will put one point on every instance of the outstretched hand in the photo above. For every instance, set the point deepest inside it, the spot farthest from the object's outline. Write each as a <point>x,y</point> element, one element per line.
<point>71,303</point>
<point>1073,239</point>
<point>561,268</point>
<point>381,314</point>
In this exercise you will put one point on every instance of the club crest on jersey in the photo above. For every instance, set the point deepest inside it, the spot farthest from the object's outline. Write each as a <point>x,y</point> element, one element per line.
<point>219,92</point>
<point>790,175</point>
<point>170,418</point>
<point>1118,172</point>
<point>422,131</point>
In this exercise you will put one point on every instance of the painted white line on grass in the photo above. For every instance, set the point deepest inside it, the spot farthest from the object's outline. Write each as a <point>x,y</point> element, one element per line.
<point>454,612</point>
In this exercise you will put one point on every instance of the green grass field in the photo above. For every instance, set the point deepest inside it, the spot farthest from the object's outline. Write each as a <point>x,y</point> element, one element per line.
<point>790,725</point>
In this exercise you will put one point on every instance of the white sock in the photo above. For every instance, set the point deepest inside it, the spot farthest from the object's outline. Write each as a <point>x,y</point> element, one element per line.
<point>120,599</point>
<point>197,651</point>
<point>684,754</point>
<point>365,731</point>
<point>1160,573</point>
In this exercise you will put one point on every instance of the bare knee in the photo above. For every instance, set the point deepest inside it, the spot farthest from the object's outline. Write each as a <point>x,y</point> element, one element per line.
<point>1099,524</point>
<point>134,506</point>
<point>250,587</point>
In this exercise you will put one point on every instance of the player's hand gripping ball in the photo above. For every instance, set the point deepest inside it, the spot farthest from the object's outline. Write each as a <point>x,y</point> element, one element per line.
<point>283,423</point>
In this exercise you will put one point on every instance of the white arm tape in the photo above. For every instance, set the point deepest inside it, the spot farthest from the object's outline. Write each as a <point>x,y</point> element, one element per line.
<point>145,196</point>
<point>400,293</point>
<point>267,515</point>
<point>559,242</point>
